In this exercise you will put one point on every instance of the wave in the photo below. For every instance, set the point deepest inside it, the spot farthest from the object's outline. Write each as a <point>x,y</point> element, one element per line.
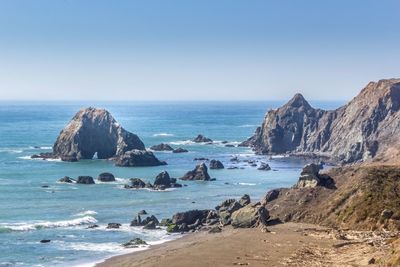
<point>252,184</point>
<point>40,225</point>
<point>162,134</point>
<point>11,150</point>
<point>29,158</point>
<point>183,142</point>
<point>85,213</point>
<point>41,147</point>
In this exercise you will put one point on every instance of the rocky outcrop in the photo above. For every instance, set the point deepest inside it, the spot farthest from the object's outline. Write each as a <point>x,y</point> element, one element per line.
<point>135,183</point>
<point>93,132</point>
<point>216,164</point>
<point>250,216</point>
<point>138,158</point>
<point>263,167</point>
<point>310,177</point>
<point>363,198</point>
<point>202,139</point>
<point>161,147</point>
<point>163,181</point>
<point>199,173</point>
<point>106,177</point>
<point>365,129</point>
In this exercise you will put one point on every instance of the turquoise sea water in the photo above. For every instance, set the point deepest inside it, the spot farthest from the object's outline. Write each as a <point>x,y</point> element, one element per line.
<point>62,212</point>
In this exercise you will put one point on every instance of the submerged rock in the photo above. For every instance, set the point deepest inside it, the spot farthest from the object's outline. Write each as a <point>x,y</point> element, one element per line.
<point>180,150</point>
<point>199,173</point>
<point>264,167</point>
<point>66,179</point>
<point>216,164</point>
<point>85,180</point>
<point>202,139</point>
<point>135,183</point>
<point>161,147</point>
<point>113,226</point>
<point>106,177</point>
<point>138,158</point>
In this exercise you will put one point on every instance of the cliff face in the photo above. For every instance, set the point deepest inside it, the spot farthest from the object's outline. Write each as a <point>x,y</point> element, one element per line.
<point>368,127</point>
<point>91,131</point>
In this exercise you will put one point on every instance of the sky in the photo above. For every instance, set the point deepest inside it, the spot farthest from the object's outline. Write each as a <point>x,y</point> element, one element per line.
<point>195,49</point>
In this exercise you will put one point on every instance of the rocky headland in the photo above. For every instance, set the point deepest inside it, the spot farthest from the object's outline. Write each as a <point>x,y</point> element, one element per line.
<point>365,129</point>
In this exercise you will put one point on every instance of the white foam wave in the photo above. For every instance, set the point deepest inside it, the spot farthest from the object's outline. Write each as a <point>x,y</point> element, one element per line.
<point>47,224</point>
<point>85,213</point>
<point>162,134</point>
<point>183,142</point>
<point>86,246</point>
<point>11,150</point>
<point>252,184</point>
<point>29,158</point>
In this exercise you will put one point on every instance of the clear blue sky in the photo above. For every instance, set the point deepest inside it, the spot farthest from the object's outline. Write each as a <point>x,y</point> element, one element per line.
<point>195,50</point>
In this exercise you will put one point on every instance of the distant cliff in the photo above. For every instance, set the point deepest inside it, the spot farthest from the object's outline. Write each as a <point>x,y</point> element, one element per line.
<point>367,128</point>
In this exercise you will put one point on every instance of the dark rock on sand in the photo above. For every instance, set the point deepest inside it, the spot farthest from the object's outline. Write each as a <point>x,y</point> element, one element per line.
<point>138,158</point>
<point>106,177</point>
<point>161,147</point>
<point>202,139</point>
<point>85,180</point>
<point>180,150</point>
<point>134,243</point>
<point>271,195</point>
<point>66,179</point>
<point>199,173</point>
<point>250,216</point>
<point>216,164</point>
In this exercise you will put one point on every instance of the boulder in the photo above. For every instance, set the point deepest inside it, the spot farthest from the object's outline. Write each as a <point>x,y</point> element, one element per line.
<point>199,173</point>
<point>135,183</point>
<point>216,164</point>
<point>244,200</point>
<point>264,167</point>
<point>270,196</point>
<point>202,139</point>
<point>161,147</point>
<point>134,243</point>
<point>106,177</point>
<point>189,217</point>
<point>66,179</point>
<point>136,158</point>
<point>162,179</point>
<point>85,180</point>
<point>249,216</point>
<point>310,177</point>
<point>94,131</point>
<point>180,150</point>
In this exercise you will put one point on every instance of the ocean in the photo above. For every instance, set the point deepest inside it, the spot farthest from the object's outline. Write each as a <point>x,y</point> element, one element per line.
<point>30,212</point>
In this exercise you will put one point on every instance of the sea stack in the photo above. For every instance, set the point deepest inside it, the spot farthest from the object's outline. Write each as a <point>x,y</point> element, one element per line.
<point>364,129</point>
<point>94,132</point>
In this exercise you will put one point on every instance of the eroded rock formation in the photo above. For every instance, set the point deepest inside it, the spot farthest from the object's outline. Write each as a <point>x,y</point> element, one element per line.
<point>368,127</point>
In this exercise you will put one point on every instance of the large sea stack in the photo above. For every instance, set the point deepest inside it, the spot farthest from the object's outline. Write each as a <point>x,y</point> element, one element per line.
<point>367,128</point>
<point>94,131</point>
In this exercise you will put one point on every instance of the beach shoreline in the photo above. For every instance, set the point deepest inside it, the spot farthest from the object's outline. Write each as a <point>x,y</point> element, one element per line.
<point>287,244</point>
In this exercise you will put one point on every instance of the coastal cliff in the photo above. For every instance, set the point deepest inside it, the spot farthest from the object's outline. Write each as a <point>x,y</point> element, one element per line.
<point>365,129</point>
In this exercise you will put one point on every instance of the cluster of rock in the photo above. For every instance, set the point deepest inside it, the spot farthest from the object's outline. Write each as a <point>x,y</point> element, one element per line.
<point>162,182</point>
<point>364,129</point>
<point>310,177</point>
<point>202,139</point>
<point>93,132</point>
<point>166,147</point>
<point>251,162</point>
<point>240,214</point>
<point>199,173</point>
<point>103,177</point>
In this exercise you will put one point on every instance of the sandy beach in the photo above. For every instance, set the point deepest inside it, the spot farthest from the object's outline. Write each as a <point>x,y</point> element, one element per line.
<point>289,244</point>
